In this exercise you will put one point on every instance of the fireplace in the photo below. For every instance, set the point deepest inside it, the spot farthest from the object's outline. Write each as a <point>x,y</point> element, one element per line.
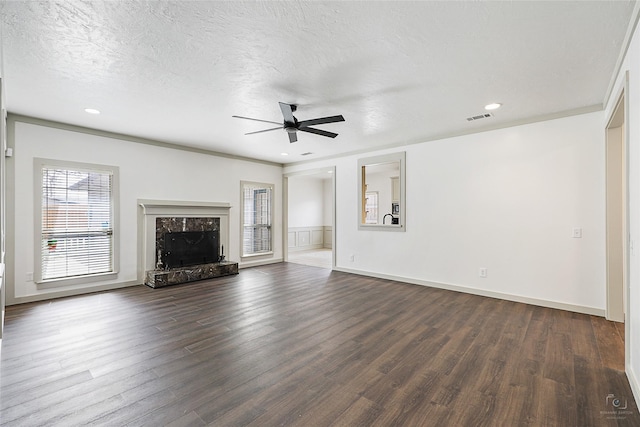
<point>182,242</point>
<point>186,248</point>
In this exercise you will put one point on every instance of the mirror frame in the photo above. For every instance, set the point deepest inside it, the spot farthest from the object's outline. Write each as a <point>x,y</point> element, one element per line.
<point>370,161</point>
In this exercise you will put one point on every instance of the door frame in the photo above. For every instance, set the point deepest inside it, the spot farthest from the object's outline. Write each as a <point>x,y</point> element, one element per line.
<point>285,208</point>
<point>617,211</point>
<point>623,101</point>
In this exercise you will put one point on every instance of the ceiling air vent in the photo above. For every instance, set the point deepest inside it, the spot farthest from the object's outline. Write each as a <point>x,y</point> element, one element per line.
<point>479,116</point>
<point>306,154</point>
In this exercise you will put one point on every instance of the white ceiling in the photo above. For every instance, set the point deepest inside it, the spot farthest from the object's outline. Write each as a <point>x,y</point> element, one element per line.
<point>399,72</point>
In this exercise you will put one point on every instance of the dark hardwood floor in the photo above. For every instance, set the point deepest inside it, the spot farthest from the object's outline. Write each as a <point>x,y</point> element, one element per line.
<point>289,344</point>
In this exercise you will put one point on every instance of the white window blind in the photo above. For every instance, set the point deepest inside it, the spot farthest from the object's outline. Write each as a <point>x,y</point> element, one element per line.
<point>256,213</point>
<point>77,223</point>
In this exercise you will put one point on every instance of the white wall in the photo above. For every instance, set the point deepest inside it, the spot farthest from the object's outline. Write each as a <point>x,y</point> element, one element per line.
<point>631,66</point>
<point>146,172</point>
<point>306,200</point>
<point>506,200</point>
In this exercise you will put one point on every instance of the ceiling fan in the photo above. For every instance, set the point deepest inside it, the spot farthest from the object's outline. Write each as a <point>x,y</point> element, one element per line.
<point>291,125</point>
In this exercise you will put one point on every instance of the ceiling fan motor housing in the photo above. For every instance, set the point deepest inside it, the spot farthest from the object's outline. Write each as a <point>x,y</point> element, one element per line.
<point>291,125</point>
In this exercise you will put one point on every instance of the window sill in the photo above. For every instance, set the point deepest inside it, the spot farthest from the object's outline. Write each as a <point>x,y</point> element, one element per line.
<point>259,254</point>
<point>76,280</point>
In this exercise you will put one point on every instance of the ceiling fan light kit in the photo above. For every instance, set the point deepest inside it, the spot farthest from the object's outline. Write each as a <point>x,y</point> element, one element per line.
<point>291,125</point>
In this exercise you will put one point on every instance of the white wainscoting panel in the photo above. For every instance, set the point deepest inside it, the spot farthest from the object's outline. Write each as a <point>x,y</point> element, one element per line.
<point>317,237</point>
<point>302,238</point>
<point>328,237</point>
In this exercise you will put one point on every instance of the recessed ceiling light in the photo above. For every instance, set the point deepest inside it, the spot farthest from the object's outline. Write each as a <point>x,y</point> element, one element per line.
<point>493,106</point>
<point>329,171</point>
<point>284,154</point>
<point>91,111</point>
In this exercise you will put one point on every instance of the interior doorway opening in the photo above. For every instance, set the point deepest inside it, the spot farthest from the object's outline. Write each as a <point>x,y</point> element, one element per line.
<point>312,257</point>
<point>309,220</point>
<point>616,213</point>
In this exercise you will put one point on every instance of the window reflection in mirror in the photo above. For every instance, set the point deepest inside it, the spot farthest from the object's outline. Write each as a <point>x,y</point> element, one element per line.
<point>381,192</point>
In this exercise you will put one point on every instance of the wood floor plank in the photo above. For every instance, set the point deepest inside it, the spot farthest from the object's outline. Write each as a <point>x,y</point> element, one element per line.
<point>187,420</point>
<point>591,391</point>
<point>620,327</point>
<point>361,413</point>
<point>131,410</point>
<point>610,343</point>
<point>559,358</point>
<point>287,344</point>
<point>583,338</point>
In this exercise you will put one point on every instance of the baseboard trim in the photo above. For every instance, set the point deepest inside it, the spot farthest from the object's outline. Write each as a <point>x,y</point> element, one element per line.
<point>306,248</point>
<point>71,292</point>
<point>259,263</point>
<point>457,288</point>
<point>102,288</point>
<point>633,382</point>
<point>481,292</point>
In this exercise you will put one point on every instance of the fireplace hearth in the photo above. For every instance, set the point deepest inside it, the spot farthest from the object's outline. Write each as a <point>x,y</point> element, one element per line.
<point>180,275</point>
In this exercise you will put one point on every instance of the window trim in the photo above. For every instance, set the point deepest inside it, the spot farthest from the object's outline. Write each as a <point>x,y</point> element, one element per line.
<point>39,164</point>
<point>271,237</point>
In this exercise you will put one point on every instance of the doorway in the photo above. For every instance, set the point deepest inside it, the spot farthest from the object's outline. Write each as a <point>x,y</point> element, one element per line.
<point>616,213</point>
<point>309,220</point>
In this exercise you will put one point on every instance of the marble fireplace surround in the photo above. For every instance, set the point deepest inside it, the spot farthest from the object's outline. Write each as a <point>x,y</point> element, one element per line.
<point>150,210</point>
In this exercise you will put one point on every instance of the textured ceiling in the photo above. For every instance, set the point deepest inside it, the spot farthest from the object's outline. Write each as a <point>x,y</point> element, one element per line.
<point>399,72</point>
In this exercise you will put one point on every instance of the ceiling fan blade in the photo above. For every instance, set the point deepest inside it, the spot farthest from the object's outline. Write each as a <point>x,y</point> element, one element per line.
<point>287,112</point>
<point>293,137</point>
<point>318,132</point>
<point>257,120</point>
<point>321,121</point>
<point>264,130</point>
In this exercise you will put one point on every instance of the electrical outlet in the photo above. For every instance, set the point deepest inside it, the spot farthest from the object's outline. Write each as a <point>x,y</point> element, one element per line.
<point>352,258</point>
<point>482,272</point>
<point>577,233</point>
<point>29,277</point>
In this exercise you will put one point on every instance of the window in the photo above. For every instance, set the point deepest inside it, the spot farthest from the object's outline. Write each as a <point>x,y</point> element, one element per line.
<point>256,218</point>
<point>371,207</point>
<point>76,222</point>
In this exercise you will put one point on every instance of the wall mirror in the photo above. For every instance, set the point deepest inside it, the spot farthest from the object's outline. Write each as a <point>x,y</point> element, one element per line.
<point>381,192</point>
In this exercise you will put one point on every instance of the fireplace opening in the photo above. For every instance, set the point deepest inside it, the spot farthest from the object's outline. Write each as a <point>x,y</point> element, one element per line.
<point>185,248</point>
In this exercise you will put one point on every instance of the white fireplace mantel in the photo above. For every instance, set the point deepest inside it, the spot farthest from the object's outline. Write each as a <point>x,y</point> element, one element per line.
<point>177,207</point>
<point>149,210</point>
